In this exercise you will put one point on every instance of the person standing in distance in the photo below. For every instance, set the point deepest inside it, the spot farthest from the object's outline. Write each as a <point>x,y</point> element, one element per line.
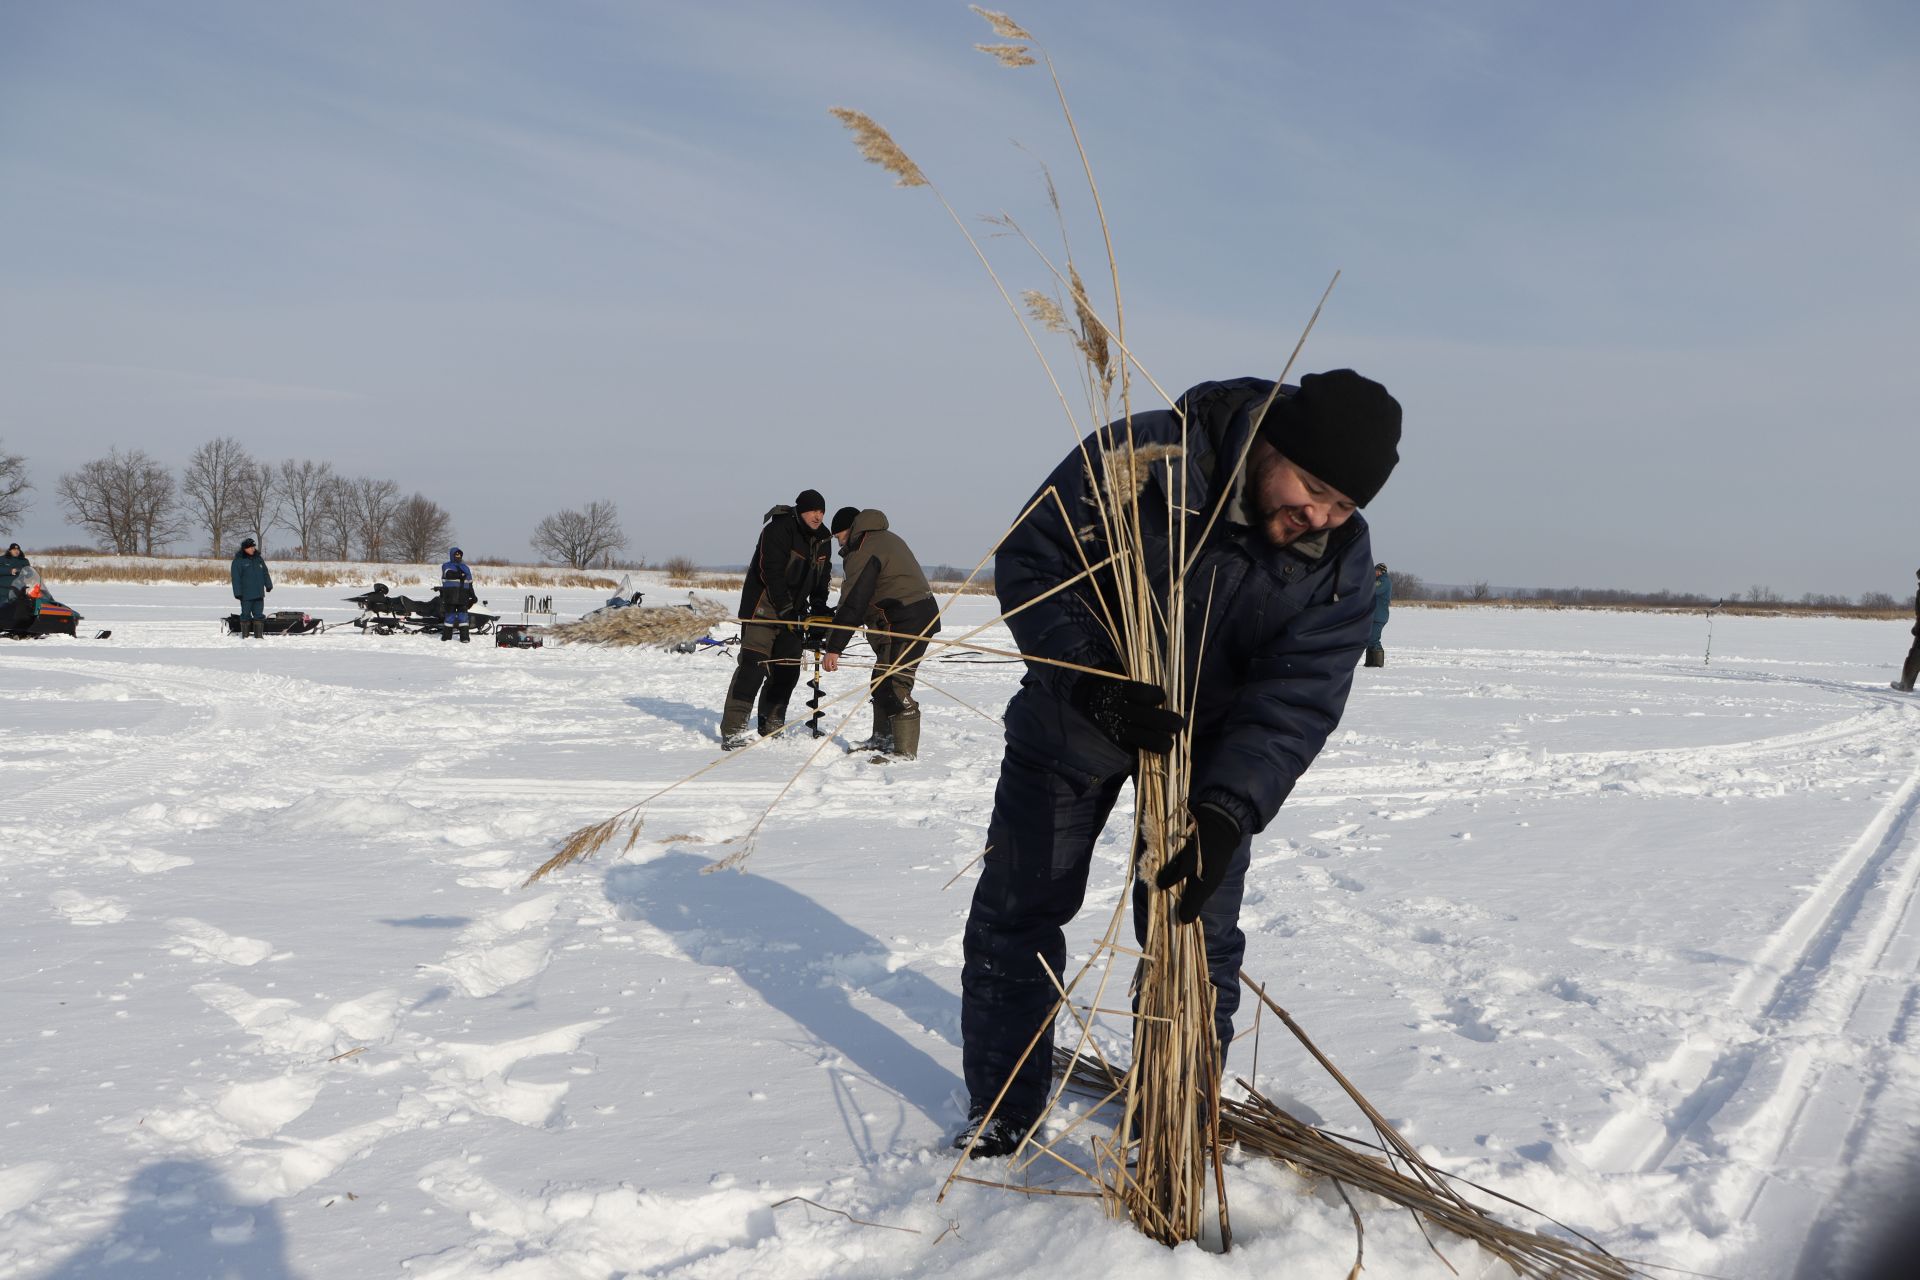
<point>251,582</point>
<point>786,583</point>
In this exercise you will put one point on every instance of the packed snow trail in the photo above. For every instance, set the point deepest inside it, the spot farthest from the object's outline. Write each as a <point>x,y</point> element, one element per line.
<point>1621,935</point>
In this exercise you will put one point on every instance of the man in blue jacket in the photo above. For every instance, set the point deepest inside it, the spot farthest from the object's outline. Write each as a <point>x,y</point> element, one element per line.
<point>456,593</point>
<point>1382,606</point>
<point>1278,602</point>
<point>251,582</point>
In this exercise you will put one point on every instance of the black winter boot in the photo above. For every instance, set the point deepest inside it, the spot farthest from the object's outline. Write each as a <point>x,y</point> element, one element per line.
<point>446,633</point>
<point>1376,656</point>
<point>1000,1136</point>
<point>464,638</point>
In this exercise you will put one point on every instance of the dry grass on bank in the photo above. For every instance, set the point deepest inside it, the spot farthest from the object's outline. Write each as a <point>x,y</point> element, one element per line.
<point>69,569</point>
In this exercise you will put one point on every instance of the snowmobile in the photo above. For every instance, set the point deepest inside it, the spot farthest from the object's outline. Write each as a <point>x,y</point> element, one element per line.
<point>281,622</point>
<point>30,611</point>
<point>382,613</point>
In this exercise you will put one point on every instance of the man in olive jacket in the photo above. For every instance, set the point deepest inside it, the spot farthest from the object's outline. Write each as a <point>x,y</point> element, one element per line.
<point>883,589</point>
<point>251,582</point>
<point>786,583</point>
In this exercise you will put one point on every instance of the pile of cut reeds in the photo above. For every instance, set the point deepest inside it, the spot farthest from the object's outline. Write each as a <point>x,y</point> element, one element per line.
<point>644,624</point>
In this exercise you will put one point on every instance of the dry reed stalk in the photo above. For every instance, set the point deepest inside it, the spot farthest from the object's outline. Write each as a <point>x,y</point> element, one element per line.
<point>1258,1125</point>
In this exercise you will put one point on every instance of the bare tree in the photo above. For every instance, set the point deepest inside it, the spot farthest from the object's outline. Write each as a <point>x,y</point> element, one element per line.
<point>257,505</point>
<point>421,527</point>
<point>578,538</point>
<point>1479,591</point>
<point>127,499</point>
<point>333,521</point>
<point>371,505</point>
<point>1759,593</point>
<point>301,487</point>
<point>1407,586</point>
<point>210,488</point>
<point>13,488</point>
<point>1878,600</point>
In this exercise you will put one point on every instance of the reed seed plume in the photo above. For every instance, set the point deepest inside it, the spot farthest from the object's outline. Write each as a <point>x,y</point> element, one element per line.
<point>585,842</point>
<point>878,146</point>
<point>1046,312</point>
<point>1007,55</point>
<point>1003,26</point>
<point>1092,341</point>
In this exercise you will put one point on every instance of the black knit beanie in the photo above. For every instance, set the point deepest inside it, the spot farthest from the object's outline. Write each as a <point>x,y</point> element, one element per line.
<point>843,519</point>
<point>248,543</point>
<point>809,500</point>
<point>1341,427</point>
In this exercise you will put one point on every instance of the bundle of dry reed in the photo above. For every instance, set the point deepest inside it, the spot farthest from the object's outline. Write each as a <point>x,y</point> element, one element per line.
<point>659,626</point>
<point>1259,1126</point>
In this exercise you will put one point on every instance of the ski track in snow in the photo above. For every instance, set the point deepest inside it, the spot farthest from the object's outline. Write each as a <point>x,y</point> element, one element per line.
<point>284,1007</point>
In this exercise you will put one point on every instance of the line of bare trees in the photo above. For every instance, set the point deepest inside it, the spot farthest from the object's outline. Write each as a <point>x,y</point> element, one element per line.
<point>133,503</point>
<point>1409,586</point>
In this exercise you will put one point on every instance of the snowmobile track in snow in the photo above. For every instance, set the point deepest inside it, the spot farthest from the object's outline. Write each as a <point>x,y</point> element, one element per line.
<point>1800,994</point>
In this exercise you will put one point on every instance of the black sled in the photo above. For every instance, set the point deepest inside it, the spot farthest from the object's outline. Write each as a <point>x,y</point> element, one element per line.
<point>281,622</point>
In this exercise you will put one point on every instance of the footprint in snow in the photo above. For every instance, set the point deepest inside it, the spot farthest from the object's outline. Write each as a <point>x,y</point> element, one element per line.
<point>199,939</point>
<point>78,908</point>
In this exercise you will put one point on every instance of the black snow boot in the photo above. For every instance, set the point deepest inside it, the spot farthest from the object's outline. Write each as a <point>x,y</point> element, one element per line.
<point>991,1139</point>
<point>446,633</point>
<point>1376,656</point>
<point>464,637</point>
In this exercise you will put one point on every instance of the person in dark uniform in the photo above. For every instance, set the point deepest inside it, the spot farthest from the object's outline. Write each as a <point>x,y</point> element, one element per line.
<point>1382,605</point>
<point>251,582</point>
<point>1912,667</point>
<point>787,580</point>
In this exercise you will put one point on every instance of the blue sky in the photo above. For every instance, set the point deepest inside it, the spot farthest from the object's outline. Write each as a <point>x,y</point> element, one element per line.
<point>1642,274</point>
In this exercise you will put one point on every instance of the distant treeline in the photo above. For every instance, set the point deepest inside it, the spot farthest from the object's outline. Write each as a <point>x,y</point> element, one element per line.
<point>1410,586</point>
<point>136,505</point>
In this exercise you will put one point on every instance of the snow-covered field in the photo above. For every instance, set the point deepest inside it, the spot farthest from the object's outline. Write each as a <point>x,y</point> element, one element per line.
<point>1623,935</point>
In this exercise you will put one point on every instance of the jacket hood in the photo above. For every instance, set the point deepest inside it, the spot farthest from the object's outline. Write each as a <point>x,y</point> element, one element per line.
<point>454,551</point>
<point>866,522</point>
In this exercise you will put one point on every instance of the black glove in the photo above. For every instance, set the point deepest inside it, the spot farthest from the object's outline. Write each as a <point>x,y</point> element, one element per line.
<point>1129,712</point>
<point>1202,862</point>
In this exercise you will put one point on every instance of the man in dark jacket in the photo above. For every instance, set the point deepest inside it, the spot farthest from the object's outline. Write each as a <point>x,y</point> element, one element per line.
<point>1278,602</point>
<point>883,589</point>
<point>10,566</point>
<point>1382,605</point>
<point>251,582</point>
<point>1912,667</point>
<point>787,579</point>
<point>456,594</point>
